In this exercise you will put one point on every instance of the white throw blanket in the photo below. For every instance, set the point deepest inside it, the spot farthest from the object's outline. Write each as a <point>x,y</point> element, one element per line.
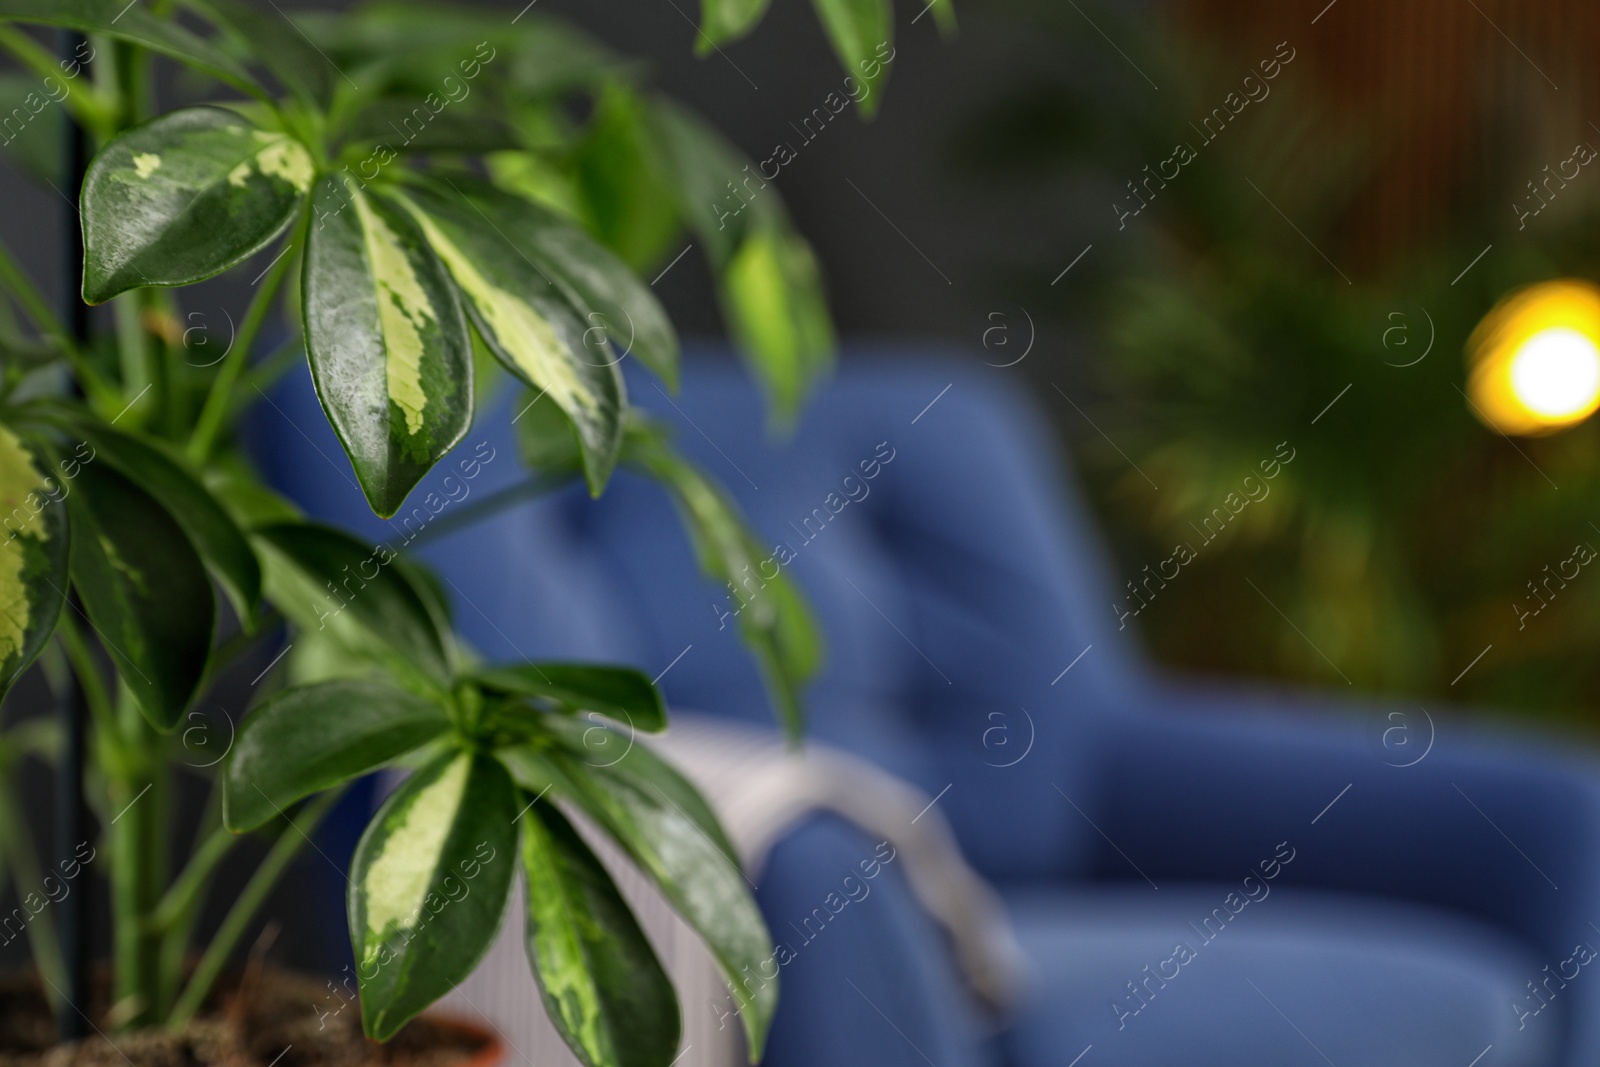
<point>760,790</point>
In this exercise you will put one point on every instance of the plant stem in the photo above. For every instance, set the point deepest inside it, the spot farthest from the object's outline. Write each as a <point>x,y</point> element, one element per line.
<point>89,677</point>
<point>185,892</point>
<point>86,105</point>
<point>265,374</point>
<point>17,281</point>
<point>215,412</point>
<point>244,909</point>
<point>133,349</point>
<point>512,495</point>
<point>17,845</point>
<point>137,833</point>
<point>179,910</point>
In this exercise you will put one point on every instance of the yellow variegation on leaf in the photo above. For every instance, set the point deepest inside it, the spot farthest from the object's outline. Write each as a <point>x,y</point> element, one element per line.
<point>33,556</point>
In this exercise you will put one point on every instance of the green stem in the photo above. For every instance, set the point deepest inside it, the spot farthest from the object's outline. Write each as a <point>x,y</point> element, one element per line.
<point>179,911</point>
<point>185,893</point>
<point>468,514</point>
<point>17,845</point>
<point>133,348</point>
<point>244,909</point>
<point>137,839</point>
<point>265,374</point>
<point>88,672</point>
<point>16,280</point>
<point>86,104</point>
<point>215,412</point>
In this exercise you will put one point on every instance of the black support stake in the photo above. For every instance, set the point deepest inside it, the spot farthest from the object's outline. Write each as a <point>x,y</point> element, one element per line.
<point>72,813</point>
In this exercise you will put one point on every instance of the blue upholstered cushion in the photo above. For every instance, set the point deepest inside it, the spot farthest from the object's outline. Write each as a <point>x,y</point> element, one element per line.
<point>1298,978</point>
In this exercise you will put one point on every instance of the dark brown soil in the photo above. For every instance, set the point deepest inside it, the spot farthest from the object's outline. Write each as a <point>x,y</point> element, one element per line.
<point>271,1019</point>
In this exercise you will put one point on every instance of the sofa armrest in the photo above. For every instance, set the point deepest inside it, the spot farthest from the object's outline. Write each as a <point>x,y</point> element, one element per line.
<point>868,978</point>
<point>1209,785</point>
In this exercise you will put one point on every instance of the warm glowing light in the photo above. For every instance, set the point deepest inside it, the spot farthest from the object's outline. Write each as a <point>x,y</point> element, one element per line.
<point>1536,359</point>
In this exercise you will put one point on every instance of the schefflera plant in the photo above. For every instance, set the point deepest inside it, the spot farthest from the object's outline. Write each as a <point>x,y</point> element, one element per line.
<point>445,190</point>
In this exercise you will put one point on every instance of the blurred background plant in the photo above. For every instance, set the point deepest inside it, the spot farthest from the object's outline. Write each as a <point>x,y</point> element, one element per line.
<point>1312,278</point>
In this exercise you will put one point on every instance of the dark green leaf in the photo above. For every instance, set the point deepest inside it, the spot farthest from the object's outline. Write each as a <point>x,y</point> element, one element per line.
<point>768,280</point>
<point>33,557</point>
<point>620,166</point>
<point>775,623</point>
<point>135,24</point>
<point>619,693</point>
<point>702,164</point>
<point>862,32</point>
<point>611,752</point>
<point>772,297</point>
<point>186,197</point>
<point>701,882</point>
<point>210,528</point>
<point>529,319</point>
<point>429,883</point>
<point>406,124</point>
<point>546,439</point>
<point>144,587</point>
<point>304,740</point>
<point>282,46</point>
<point>601,983</point>
<point>388,344</point>
<point>322,578</point>
<point>726,20</point>
<point>409,48</point>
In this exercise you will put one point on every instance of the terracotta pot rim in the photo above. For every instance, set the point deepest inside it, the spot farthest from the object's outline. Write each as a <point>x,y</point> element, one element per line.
<point>492,1054</point>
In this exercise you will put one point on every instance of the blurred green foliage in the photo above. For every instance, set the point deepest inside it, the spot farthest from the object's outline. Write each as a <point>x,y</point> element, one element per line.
<point>1230,313</point>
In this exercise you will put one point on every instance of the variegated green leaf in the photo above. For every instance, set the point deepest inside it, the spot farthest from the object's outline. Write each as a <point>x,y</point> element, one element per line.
<point>388,344</point>
<point>598,745</point>
<point>619,308</point>
<point>185,197</point>
<point>702,883</point>
<point>429,883</point>
<point>601,982</point>
<point>33,557</point>
<point>530,322</point>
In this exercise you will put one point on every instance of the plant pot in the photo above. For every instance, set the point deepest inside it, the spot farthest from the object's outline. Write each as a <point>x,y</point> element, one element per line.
<point>492,1052</point>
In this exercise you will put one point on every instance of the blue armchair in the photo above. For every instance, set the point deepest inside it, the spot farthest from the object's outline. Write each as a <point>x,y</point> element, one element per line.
<point>1199,874</point>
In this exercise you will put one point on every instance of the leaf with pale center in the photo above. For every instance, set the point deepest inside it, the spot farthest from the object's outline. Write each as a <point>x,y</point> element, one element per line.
<point>388,344</point>
<point>429,885</point>
<point>530,322</point>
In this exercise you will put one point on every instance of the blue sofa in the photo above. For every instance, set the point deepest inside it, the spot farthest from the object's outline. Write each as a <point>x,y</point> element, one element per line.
<point>1198,874</point>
